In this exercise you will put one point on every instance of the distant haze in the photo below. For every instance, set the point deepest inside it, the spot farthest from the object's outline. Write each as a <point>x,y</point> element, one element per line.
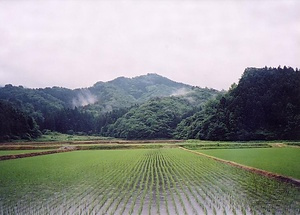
<point>203,43</point>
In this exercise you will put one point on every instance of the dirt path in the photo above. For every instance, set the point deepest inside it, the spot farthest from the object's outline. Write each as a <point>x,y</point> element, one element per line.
<point>279,145</point>
<point>251,169</point>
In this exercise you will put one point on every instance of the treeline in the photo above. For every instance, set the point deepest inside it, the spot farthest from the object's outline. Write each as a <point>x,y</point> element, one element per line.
<point>155,119</point>
<point>15,124</point>
<point>96,109</point>
<point>265,105</point>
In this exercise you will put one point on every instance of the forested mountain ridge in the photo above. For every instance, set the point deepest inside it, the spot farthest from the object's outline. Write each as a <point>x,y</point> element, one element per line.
<point>124,92</point>
<point>156,118</point>
<point>89,109</point>
<point>265,105</point>
<point>103,96</point>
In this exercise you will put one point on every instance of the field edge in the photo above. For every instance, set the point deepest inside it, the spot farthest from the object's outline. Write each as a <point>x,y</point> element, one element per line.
<point>251,169</point>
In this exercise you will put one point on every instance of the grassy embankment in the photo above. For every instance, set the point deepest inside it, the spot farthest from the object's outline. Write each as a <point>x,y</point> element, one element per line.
<point>203,144</point>
<point>15,152</point>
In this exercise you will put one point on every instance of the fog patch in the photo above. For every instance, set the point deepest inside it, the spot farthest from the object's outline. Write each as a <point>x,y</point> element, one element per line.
<point>181,92</point>
<point>84,98</point>
<point>190,99</point>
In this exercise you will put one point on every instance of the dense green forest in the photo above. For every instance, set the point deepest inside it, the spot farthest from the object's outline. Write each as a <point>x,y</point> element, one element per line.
<point>264,105</point>
<point>93,110</point>
<point>157,118</point>
<point>16,124</point>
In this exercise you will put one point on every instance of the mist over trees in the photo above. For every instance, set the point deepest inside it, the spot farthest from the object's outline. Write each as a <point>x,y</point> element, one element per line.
<point>264,105</point>
<point>93,110</point>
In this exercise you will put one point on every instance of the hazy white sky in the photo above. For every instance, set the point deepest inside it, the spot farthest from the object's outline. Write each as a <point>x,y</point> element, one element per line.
<point>202,43</point>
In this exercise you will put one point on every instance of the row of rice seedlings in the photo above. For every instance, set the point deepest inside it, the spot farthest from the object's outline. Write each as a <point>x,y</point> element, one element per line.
<point>145,188</point>
<point>149,191</point>
<point>25,203</point>
<point>270,201</point>
<point>117,189</point>
<point>154,188</point>
<point>131,189</point>
<point>225,194</point>
<point>262,192</point>
<point>163,166</point>
<point>160,191</point>
<point>260,198</point>
<point>179,177</point>
<point>59,204</point>
<point>219,196</point>
<point>242,195</point>
<point>162,178</point>
<point>195,180</point>
<point>33,201</point>
<point>107,183</point>
<point>241,177</point>
<point>200,192</point>
<point>189,183</point>
<point>201,188</point>
<point>218,199</point>
<point>101,187</point>
<point>174,185</point>
<point>71,197</point>
<point>74,200</point>
<point>113,192</point>
<point>151,188</point>
<point>138,174</point>
<point>157,191</point>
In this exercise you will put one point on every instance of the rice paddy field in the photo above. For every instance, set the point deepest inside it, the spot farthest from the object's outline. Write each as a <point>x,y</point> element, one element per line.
<point>284,161</point>
<point>138,181</point>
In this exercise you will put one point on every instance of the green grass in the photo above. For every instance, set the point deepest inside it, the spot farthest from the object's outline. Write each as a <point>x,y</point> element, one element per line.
<point>55,136</point>
<point>144,181</point>
<point>123,146</point>
<point>15,152</point>
<point>293,143</point>
<point>284,161</point>
<point>202,144</point>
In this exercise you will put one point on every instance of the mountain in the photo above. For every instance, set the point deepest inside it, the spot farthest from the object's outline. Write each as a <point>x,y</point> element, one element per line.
<point>156,118</point>
<point>265,105</point>
<point>85,109</point>
<point>125,92</point>
<point>103,96</point>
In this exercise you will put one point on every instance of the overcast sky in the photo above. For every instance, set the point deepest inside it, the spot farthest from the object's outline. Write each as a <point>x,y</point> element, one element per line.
<point>203,43</point>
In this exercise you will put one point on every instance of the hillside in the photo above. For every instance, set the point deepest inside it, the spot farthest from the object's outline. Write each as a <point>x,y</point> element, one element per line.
<point>103,96</point>
<point>125,92</point>
<point>265,105</point>
<point>15,123</point>
<point>154,119</point>
<point>86,109</point>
